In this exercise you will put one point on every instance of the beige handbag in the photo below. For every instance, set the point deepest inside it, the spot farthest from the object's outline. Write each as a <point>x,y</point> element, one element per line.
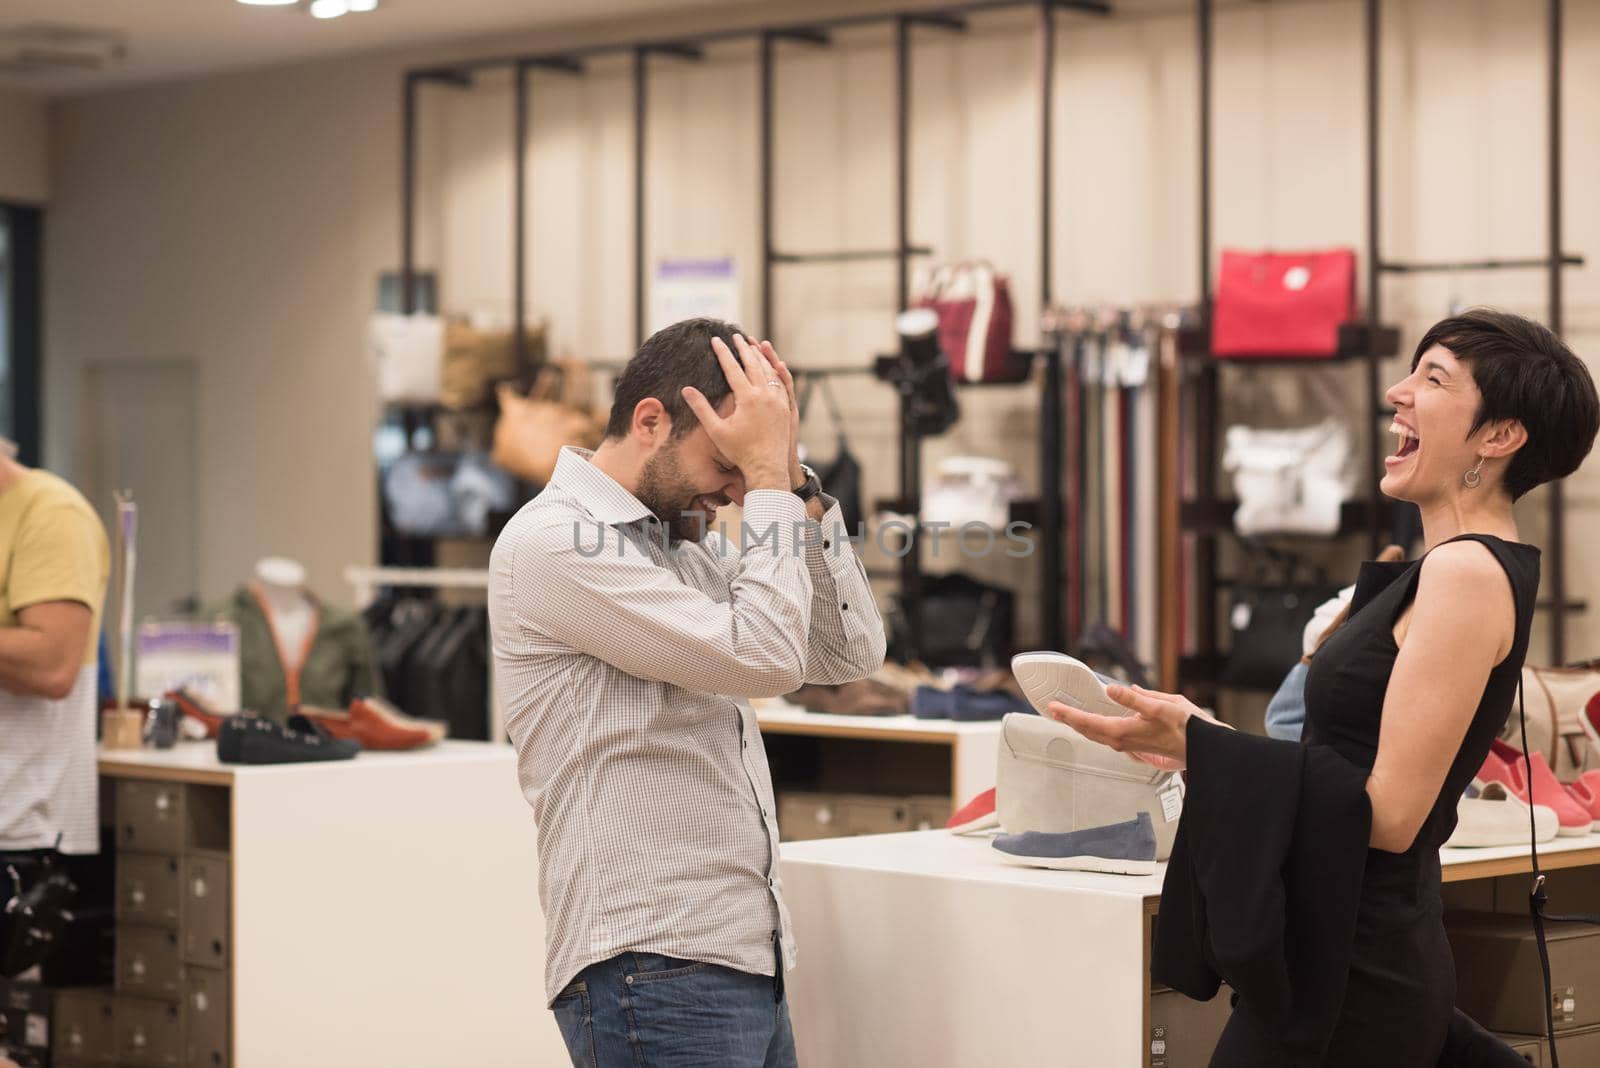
<point>1555,699</point>
<point>558,411</point>
<point>475,360</point>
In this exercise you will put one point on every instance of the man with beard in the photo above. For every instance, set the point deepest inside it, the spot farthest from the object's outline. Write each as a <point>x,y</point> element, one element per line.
<point>627,636</point>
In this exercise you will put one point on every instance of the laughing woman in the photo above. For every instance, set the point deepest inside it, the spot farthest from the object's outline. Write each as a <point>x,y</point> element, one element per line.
<point>1308,876</point>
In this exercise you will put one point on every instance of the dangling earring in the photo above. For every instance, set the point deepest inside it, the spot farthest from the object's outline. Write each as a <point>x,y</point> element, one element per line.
<point>1473,477</point>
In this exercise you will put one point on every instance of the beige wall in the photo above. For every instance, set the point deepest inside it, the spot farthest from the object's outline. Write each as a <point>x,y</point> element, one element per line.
<point>241,221</point>
<point>24,147</point>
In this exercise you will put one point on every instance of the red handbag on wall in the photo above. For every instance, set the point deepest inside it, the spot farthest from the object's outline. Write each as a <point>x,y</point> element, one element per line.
<point>973,303</point>
<point>1283,303</point>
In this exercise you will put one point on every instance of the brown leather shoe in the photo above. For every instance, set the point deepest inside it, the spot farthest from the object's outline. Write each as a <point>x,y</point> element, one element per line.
<point>197,710</point>
<point>377,724</point>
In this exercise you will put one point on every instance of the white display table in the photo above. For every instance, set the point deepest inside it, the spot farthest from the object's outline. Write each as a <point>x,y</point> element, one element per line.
<point>384,910</point>
<point>926,949</point>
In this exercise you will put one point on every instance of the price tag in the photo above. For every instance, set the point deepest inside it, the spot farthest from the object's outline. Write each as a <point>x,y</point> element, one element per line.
<point>1171,797</point>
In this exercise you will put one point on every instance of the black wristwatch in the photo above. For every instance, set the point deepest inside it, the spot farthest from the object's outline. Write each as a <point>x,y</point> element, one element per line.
<point>810,488</point>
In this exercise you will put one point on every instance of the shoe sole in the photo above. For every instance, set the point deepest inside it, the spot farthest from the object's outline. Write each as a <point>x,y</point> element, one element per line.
<point>988,821</point>
<point>1047,677</point>
<point>1095,864</point>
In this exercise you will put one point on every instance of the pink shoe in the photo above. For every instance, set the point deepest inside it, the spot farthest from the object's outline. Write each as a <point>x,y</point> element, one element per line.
<point>1590,721</point>
<point>1504,765</point>
<point>1586,791</point>
<point>976,815</point>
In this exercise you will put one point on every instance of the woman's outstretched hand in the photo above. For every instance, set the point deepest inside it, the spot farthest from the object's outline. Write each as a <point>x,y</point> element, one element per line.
<point>1155,733</point>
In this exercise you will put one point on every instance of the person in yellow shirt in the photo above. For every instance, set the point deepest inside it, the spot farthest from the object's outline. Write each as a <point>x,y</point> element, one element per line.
<point>54,565</point>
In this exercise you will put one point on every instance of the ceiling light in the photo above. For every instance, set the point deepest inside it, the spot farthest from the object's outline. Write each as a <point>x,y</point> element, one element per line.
<point>329,9</point>
<point>363,5</point>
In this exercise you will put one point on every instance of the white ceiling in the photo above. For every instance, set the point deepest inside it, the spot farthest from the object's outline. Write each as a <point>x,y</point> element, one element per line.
<point>169,39</point>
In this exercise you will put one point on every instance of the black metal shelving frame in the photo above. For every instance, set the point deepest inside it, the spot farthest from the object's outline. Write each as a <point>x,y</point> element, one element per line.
<point>950,17</point>
<point>1205,514</point>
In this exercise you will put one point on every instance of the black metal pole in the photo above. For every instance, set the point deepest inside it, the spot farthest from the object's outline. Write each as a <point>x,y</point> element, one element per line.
<point>1047,69</point>
<point>1207,392</point>
<point>519,223</point>
<point>640,77</point>
<point>1052,625</point>
<point>408,194</point>
<point>1374,19</point>
<point>902,161</point>
<point>1558,563</point>
<point>764,76</point>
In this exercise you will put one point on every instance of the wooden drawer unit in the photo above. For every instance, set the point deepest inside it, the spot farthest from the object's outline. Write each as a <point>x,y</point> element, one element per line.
<point>205,920</point>
<point>148,889</point>
<point>150,816</point>
<point>149,1032</point>
<point>206,1043</point>
<point>149,962</point>
<point>84,1027</point>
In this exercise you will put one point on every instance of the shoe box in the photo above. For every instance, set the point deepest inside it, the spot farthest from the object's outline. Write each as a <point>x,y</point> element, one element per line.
<point>1499,982</point>
<point>804,815</point>
<point>1529,1047</point>
<point>1184,1032</point>
<point>169,1004</point>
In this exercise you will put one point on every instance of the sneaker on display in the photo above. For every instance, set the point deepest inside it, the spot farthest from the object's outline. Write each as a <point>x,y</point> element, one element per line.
<point>1495,818</point>
<point>1504,765</point>
<point>979,814</point>
<point>1047,677</point>
<point>1051,779</point>
<point>1117,849</point>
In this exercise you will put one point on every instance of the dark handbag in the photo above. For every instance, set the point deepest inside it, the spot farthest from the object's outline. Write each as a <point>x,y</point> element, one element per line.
<point>1268,619</point>
<point>922,375</point>
<point>962,623</point>
<point>841,476</point>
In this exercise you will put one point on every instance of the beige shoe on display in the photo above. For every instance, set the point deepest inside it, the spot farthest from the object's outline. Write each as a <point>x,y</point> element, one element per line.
<point>1495,818</point>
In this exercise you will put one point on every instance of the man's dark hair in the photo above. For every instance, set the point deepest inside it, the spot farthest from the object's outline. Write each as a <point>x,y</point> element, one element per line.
<point>1525,372</point>
<point>671,358</point>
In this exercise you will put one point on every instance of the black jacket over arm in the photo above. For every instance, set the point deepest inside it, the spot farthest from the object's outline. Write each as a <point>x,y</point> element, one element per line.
<point>1265,880</point>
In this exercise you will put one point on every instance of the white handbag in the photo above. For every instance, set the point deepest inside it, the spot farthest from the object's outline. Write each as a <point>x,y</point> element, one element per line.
<point>1052,779</point>
<point>409,353</point>
<point>970,489</point>
<point>1290,481</point>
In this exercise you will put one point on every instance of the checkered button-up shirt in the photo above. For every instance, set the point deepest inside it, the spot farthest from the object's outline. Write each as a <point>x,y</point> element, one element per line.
<point>623,664</point>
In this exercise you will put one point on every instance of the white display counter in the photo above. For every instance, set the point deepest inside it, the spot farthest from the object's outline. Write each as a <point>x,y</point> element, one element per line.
<point>384,910</point>
<point>926,949</point>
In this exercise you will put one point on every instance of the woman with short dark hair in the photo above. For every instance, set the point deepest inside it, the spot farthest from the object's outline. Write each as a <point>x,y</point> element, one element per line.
<point>1308,876</point>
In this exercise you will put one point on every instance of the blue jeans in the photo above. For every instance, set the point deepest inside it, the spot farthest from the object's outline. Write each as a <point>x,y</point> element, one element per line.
<point>645,1010</point>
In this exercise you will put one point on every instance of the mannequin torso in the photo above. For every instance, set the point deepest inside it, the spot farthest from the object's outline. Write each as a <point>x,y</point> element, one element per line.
<point>290,611</point>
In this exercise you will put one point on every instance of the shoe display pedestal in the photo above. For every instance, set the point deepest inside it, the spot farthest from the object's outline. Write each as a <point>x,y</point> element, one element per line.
<point>927,949</point>
<point>380,910</point>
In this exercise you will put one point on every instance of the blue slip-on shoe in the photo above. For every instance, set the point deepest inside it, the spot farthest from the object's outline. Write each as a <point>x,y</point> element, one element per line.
<point>930,702</point>
<point>976,706</point>
<point>1117,848</point>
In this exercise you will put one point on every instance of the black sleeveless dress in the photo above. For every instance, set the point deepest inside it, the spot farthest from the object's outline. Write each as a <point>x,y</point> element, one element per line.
<point>1401,992</point>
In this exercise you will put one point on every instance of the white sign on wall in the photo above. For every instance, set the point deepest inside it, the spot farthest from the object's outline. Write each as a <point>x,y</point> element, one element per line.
<point>688,289</point>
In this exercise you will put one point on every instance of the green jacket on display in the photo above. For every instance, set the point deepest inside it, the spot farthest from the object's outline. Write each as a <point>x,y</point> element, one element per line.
<point>338,665</point>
